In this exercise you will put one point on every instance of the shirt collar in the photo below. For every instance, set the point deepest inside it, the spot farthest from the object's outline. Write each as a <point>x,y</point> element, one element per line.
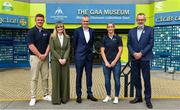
<point>39,29</point>
<point>60,35</point>
<point>140,27</point>
<point>85,29</point>
<point>110,37</point>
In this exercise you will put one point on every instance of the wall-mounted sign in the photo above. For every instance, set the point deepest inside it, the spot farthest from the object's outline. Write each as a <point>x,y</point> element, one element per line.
<point>13,21</point>
<point>168,18</point>
<point>98,13</point>
<point>7,6</point>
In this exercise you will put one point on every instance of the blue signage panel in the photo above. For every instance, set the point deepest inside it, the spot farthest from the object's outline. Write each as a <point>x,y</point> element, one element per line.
<point>168,18</point>
<point>98,13</point>
<point>13,21</point>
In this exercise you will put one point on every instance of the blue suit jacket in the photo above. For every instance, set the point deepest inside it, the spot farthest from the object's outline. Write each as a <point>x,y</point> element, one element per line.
<point>83,50</point>
<point>144,45</point>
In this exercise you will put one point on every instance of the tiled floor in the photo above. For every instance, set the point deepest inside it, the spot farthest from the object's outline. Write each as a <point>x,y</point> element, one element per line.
<point>15,84</point>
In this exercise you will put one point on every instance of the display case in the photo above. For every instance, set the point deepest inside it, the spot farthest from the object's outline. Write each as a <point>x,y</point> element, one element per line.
<point>14,51</point>
<point>166,47</point>
<point>176,48</point>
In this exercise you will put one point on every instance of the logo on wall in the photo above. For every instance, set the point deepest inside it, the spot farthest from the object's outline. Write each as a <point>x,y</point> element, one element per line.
<point>58,15</point>
<point>22,22</point>
<point>58,12</point>
<point>7,6</point>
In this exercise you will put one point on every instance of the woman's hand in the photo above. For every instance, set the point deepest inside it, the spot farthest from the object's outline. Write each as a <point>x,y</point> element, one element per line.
<point>62,61</point>
<point>113,63</point>
<point>108,65</point>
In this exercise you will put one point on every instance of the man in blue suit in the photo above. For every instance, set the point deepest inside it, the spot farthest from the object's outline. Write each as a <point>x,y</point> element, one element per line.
<point>83,47</point>
<point>140,44</point>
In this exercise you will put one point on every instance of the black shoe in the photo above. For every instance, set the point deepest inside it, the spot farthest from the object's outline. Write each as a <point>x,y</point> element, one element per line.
<point>64,102</point>
<point>149,105</point>
<point>136,100</point>
<point>92,98</point>
<point>78,100</point>
<point>56,103</point>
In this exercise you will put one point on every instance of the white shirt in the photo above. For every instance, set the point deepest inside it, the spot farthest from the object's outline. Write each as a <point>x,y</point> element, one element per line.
<point>86,34</point>
<point>139,32</point>
<point>61,37</point>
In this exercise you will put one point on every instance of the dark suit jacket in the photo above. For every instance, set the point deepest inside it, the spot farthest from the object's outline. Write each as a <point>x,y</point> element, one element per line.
<point>144,45</point>
<point>83,50</point>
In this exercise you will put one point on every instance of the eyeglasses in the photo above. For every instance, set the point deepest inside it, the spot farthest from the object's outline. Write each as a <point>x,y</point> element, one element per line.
<point>86,21</point>
<point>140,19</point>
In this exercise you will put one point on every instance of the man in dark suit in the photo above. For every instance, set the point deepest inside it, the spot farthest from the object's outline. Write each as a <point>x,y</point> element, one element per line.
<point>140,44</point>
<point>83,47</point>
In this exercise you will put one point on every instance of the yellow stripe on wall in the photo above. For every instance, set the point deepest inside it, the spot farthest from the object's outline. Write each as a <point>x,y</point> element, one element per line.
<point>31,9</point>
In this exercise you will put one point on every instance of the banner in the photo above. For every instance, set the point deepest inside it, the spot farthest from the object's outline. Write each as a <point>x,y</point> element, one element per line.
<point>169,18</point>
<point>13,21</point>
<point>98,13</point>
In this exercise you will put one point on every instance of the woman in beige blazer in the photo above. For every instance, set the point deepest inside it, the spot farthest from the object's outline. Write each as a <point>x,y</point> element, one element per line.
<point>60,49</point>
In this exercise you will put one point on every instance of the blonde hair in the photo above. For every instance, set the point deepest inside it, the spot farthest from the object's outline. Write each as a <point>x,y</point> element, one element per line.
<point>55,33</point>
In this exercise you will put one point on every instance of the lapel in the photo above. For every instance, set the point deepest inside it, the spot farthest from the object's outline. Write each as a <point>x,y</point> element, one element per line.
<point>90,35</point>
<point>143,33</point>
<point>82,33</point>
<point>135,32</point>
<point>64,41</point>
<point>57,41</point>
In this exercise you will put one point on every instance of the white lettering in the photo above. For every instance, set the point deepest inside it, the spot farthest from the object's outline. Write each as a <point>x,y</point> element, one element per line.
<point>117,12</point>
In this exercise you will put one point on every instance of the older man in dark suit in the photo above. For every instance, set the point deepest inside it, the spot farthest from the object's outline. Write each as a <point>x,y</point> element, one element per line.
<point>140,44</point>
<point>83,47</point>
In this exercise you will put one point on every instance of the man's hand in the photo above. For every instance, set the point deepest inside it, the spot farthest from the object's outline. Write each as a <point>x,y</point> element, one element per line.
<point>42,57</point>
<point>137,55</point>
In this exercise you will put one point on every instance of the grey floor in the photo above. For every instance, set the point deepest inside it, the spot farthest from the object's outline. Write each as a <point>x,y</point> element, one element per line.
<point>167,104</point>
<point>162,83</point>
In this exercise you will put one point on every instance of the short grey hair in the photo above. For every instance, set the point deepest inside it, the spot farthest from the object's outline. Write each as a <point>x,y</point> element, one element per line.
<point>141,15</point>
